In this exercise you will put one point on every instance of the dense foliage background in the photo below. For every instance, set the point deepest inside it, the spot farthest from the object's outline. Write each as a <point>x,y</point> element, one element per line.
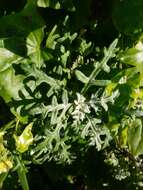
<point>71,79</point>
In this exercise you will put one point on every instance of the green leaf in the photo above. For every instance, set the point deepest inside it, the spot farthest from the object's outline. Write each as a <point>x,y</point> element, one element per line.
<point>100,82</point>
<point>7,58</point>
<point>135,137</point>
<point>128,16</point>
<point>57,4</point>
<point>48,3</point>
<point>85,47</point>
<point>43,77</point>
<point>108,54</point>
<point>2,179</point>
<point>65,55</point>
<point>134,56</point>
<point>10,84</point>
<point>65,98</point>
<point>52,36</point>
<point>81,76</point>
<point>25,139</point>
<point>54,114</point>
<point>5,159</point>
<point>22,23</point>
<point>34,51</point>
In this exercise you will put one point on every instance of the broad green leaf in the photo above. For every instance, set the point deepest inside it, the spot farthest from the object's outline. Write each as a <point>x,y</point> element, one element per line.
<point>10,84</point>
<point>7,58</point>
<point>21,24</point>
<point>128,16</point>
<point>34,51</point>
<point>127,76</point>
<point>139,150</point>
<point>134,56</point>
<point>15,28</point>
<point>25,139</point>
<point>135,134</point>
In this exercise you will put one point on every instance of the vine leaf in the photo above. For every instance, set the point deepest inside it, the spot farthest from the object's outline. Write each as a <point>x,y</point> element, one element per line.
<point>7,58</point>
<point>135,137</point>
<point>22,23</point>
<point>124,19</point>
<point>10,84</point>
<point>34,51</point>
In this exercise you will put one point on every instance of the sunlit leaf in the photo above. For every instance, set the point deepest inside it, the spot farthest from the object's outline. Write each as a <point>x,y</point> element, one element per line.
<point>10,84</point>
<point>81,76</point>
<point>48,3</point>
<point>135,137</point>
<point>25,139</point>
<point>5,159</point>
<point>7,58</point>
<point>34,50</point>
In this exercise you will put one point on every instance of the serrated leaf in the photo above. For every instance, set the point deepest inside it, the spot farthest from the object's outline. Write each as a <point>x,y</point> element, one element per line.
<point>108,54</point>
<point>54,113</point>
<point>52,36</point>
<point>42,77</point>
<point>100,82</point>
<point>65,97</point>
<point>84,47</point>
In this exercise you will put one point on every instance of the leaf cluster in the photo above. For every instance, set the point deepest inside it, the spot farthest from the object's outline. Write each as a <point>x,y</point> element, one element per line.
<point>69,92</point>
